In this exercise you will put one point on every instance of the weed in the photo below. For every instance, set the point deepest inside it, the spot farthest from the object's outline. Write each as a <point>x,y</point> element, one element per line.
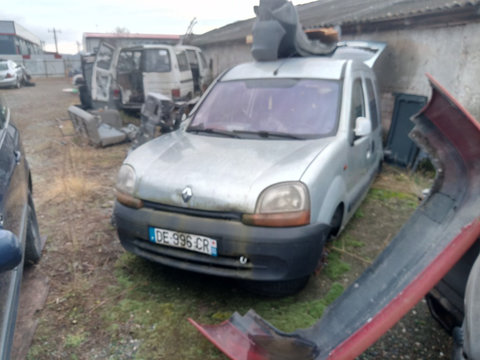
<point>359,214</point>
<point>75,340</point>
<point>394,198</point>
<point>335,266</point>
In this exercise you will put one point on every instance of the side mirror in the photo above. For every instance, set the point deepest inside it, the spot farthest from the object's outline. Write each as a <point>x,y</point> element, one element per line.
<point>363,127</point>
<point>10,251</point>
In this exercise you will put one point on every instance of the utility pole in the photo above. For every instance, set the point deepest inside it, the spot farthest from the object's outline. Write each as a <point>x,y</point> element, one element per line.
<point>55,37</point>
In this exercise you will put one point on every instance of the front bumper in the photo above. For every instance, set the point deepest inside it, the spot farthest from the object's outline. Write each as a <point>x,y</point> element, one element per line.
<point>274,253</point>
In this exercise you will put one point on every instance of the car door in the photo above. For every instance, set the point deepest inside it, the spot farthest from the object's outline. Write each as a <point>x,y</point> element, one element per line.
<point>102,76</point>
<point>373,114</point>
<point>13,213</point>
<point>359,148</point>
<point>184,73</point>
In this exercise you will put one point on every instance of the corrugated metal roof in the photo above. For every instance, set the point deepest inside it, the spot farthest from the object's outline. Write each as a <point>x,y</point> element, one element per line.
<point>334,12</point>
<point>347,12</point>
<point>131,36</point>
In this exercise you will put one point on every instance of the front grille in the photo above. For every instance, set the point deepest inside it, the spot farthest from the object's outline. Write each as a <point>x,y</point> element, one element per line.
<point>194,212</point>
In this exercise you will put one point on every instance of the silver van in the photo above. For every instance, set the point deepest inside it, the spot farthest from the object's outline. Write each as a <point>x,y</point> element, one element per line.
<point>273,160</point>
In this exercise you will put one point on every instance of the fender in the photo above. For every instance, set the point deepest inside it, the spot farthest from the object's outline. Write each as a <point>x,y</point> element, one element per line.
<point>440,231</point>
<point>334,196</point>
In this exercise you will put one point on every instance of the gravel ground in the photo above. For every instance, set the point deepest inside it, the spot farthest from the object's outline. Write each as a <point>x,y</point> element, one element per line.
<point>416,336</point>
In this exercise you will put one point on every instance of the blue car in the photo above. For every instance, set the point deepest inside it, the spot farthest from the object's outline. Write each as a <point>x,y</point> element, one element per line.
<point>20,241</point>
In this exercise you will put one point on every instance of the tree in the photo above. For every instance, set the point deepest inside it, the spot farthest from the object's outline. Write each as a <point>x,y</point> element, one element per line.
<point>121,30</point>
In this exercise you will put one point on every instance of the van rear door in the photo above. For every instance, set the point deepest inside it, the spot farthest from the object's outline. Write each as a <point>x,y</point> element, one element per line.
<point>103,73</point>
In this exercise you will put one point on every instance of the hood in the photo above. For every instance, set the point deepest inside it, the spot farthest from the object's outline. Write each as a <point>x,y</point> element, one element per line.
<point>224,174</point>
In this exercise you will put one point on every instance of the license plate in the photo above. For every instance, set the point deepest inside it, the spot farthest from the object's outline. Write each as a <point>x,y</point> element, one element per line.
<point>186,241</point>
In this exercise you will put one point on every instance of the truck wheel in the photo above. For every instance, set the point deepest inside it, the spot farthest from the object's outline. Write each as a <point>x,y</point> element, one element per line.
<point>275,289</point>
<point>33,246</point>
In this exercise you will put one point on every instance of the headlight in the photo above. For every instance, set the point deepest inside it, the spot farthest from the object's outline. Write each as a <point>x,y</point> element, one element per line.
<point>281,205</point>
<point>125,186</point>
<point>126,179</point>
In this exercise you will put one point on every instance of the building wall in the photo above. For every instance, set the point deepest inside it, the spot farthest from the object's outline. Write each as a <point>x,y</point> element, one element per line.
<point>451,54</point>
<point>15,39</point>
<point>7,44</point>
<point>226,55</point>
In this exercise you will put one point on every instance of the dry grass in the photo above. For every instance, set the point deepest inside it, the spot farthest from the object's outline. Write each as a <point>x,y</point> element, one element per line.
<point>71,188</point>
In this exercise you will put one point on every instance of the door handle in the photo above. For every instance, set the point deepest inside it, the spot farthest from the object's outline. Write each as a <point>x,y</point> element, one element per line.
<point>371,147</point>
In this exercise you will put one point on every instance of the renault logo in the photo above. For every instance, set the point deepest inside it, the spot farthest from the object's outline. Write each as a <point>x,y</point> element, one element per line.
<point>187,194</point>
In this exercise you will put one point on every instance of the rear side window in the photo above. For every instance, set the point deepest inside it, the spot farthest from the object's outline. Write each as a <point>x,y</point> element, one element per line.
<point>182,61</point>
<point>104,57</point>
<point>157,60</point>
<point>129,61</point>
<point>192,58</point>
<point>372,104</point>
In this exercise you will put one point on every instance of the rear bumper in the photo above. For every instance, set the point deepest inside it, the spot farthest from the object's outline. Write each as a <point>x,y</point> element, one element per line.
<point>8,82</point>
<point>273,253</point>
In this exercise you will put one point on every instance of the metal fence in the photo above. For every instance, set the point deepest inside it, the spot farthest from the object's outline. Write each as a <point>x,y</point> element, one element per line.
<point>47,65</point>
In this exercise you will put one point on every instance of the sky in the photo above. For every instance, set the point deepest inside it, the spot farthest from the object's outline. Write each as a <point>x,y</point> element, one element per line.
<point>72,18</point>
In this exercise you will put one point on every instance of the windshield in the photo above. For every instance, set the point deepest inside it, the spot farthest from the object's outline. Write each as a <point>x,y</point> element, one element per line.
<point>300,107</point>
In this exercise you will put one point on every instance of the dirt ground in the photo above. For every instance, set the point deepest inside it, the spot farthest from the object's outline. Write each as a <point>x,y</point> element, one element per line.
<point>105,304</point>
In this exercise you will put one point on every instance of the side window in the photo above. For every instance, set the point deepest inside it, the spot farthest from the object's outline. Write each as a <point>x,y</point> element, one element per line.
<point>192,58</point>
<point>182,61</point>
<point>358,102</point>
<point>203,60</point>
<point>372,104</point>
<point>157,60</point>
<point>126,62</point>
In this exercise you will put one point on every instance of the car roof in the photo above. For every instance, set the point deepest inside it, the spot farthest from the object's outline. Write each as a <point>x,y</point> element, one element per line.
<point>147,46</point>
<point>301,67</point>
<point>157,46</point>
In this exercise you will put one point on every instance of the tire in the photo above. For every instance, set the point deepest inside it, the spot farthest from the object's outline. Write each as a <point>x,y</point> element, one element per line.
<point>18,84</point>
<point>275,289</point>
<point>336,222</point>
<point>33,246</point>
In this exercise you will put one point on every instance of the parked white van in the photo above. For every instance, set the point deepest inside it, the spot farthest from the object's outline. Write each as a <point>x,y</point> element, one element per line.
<point>123,76</point>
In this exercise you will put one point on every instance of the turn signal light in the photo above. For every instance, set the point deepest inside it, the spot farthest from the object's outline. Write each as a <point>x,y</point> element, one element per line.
<point>287,219</point>
<point>175,93</point>
<point>129,200</point>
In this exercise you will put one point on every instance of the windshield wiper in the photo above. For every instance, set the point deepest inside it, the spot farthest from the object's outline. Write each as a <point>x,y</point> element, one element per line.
<point>201,129</point>
<point>269,134</point>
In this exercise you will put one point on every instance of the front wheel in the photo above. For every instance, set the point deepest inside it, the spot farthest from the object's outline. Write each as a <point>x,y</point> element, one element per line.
<point>33,246</point>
